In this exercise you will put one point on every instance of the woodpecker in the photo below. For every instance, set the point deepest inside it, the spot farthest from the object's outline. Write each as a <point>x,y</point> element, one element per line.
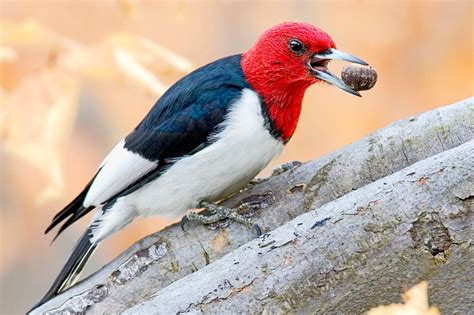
<point>207,137</point>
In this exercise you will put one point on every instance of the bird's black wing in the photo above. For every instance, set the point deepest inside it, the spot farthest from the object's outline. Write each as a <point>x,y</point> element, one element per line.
<point>179,124</point>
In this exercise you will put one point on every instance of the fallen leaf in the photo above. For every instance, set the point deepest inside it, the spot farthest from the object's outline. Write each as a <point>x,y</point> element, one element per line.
<point>416,303</point>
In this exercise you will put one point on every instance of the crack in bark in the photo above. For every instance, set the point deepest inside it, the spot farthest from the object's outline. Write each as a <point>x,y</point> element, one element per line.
<point>402,146</point>
<point>80,303</point>
<point>139,262</point>
<point>317,181</point>
<point>428,232</point>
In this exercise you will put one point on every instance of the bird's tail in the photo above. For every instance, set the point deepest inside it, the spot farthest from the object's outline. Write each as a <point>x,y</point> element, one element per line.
<point>72,269</point>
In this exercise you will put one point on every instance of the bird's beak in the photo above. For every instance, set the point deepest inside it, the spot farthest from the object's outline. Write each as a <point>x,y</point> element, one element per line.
<point>318,66</point>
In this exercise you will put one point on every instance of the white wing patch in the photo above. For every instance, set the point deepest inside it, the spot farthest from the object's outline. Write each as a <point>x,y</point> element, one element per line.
<point>120,168</point>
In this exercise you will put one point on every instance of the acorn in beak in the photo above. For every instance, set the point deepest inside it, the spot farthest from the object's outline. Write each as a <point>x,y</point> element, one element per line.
<point>318,66</point>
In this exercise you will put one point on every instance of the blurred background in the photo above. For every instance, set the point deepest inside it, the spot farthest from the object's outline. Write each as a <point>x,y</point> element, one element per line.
<point>76,76</point>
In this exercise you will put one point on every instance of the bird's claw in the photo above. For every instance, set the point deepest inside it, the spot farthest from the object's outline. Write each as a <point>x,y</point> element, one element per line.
<point>183,222</point>
<point>258,230</point>
<point>280,169</point>
<point>219,213</point>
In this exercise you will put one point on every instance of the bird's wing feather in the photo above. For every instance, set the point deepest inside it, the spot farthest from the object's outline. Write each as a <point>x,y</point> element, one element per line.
<point>120,168</point>
<point>180,123</point>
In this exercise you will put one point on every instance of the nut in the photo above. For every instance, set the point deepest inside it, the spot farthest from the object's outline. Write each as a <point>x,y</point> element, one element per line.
<point>359,78</point>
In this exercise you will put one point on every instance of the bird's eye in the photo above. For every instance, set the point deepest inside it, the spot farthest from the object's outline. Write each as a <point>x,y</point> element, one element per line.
<point>296,46</point>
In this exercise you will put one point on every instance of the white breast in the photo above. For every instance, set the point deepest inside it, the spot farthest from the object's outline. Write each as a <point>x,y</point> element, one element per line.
<point>239,152</point>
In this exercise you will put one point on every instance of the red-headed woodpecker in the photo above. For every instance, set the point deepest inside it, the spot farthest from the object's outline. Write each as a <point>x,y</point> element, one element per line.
<point>205,138</point>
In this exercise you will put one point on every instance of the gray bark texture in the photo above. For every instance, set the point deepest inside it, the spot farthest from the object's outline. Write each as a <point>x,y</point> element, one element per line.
<point>344,233</point>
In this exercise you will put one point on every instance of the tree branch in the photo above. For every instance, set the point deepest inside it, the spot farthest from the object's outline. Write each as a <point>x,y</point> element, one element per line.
<point>358,251</point>
<point>161,262</point>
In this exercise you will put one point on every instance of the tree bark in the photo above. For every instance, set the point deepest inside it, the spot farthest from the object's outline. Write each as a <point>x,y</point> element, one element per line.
<point>358,251</point>
<point>387,234</point>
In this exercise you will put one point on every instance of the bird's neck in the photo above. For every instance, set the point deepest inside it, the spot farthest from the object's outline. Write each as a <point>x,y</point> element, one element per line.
<point>282,98</point>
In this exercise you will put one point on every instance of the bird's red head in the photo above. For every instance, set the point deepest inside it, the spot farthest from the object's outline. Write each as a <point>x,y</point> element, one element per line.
<point>284,62</point>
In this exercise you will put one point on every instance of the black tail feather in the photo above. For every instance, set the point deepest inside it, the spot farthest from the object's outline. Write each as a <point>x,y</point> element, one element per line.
<point>72,269</point>
<point>75,216</point>
<point>74,208</point>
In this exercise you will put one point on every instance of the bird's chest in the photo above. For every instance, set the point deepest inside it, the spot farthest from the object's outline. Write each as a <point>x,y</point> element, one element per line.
<point>241,151</point>
<point>243,147</point>
<point>237,153</point>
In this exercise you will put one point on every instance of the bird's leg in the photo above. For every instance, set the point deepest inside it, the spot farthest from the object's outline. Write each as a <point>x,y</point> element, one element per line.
<point>219,213</point>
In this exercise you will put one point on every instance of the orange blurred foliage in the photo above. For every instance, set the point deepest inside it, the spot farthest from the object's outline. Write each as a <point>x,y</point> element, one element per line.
<point>76,76</point>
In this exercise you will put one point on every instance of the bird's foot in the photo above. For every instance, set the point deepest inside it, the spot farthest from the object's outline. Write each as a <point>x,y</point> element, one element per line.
<point>219,213</point>
<point>256,181</point>
<point>280,169</point>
